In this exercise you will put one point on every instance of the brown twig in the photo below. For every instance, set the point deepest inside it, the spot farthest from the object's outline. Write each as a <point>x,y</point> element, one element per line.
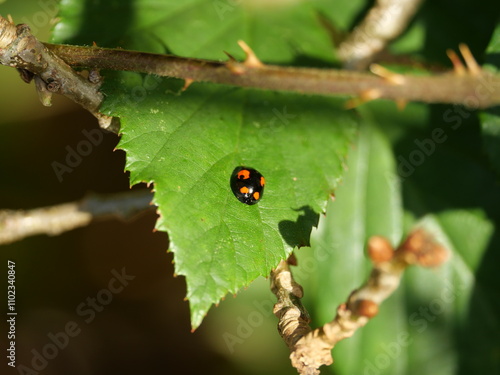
<point>311,349</point>
<point>54,220</point>
<point>293,317</point>
<point>51,63</point>
<point>443,88</point>
<point>20,49</point>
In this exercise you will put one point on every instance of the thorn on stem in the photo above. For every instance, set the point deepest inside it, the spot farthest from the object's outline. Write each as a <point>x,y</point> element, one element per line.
<point>235,67</point>
<point>231,57</point>
<point>187,83</point>
<point>470,61</point>
<point>364,97</point>
<point>251,60</point>
<point>458,67</point>
<point>391,77</point>
<point>401,104</point>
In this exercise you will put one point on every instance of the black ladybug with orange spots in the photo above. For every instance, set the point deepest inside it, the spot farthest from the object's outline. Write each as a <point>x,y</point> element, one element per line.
<point>247,185</point>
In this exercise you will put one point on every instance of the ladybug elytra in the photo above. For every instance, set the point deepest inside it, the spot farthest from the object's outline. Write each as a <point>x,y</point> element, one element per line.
<point>247,185</point>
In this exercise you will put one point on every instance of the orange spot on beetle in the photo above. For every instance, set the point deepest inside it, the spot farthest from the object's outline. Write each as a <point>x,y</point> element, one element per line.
<point>244,174</point>
<point>256,195</point>
<point>262,181</point>
<point>244,190</point>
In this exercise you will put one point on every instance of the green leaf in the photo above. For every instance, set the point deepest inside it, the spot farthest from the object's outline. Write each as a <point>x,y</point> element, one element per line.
<point>189,144</point>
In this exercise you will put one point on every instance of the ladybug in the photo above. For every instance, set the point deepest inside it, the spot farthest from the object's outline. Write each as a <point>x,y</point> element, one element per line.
<point>247,185</point>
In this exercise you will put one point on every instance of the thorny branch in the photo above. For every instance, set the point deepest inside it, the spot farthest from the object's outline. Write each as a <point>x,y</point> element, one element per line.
<point>54,220</point>
<point>380,84</point>
<point>51,65</point>
<point>311,349</point>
